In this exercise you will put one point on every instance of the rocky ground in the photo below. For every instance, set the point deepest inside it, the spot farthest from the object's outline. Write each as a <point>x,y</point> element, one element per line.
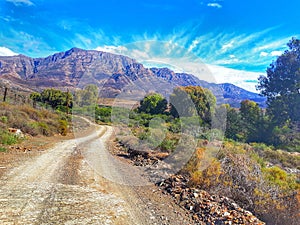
<point>204,208</point>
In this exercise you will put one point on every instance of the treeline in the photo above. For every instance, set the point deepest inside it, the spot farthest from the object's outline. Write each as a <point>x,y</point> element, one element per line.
<point>250,123</point>
<point>65,101</point>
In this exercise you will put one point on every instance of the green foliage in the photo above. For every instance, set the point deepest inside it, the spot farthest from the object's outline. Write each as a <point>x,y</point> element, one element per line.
<point>103,114</point>
<point>281,87</point>
<point>175,126</point>
<point>2,149</point>
<point>213,135</point>
<point>57,99</point>
<point>251,121</point>
<point>42,128</point>
<point>287,137</point>
<point>7,138</point>
<point>63,127</point>
<point>234,125</point>
<point>3,119</point>
<point>153,104</point>
<point>193,101</point>
<point>86,97</point>
<point>277,157</point>
<point>168,144</point>
<point>279,177</point>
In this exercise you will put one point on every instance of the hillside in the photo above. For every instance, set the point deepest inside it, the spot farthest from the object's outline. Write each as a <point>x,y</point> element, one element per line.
<point>112,73</point>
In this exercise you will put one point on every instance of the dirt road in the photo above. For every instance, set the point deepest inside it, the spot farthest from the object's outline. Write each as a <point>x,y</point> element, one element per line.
<point>79,182</point>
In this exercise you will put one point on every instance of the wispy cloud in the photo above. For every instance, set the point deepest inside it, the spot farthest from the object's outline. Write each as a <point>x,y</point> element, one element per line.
<point>272,53</point>
<point>215,5</point>
<point>171,55</point>
<point>239,78</point>
<point>26,43</point>
<point>21,2</point>
<point>6,52</point>
<point>112,49</point>
<point>227,46</point>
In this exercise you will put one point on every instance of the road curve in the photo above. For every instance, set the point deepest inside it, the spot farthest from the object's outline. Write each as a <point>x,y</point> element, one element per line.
<point>79,182</point>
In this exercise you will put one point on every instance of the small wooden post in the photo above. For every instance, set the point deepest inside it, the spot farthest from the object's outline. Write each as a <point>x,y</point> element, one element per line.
<point>5,94</point>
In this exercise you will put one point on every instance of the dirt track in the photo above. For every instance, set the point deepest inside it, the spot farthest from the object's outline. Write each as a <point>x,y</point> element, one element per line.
<point>79,182</point>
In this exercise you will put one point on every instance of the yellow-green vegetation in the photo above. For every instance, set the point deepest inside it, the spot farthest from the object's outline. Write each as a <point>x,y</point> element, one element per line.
<point>30,121</point>
<point>204,171</point>
<point>283,158</point>
<point>281,178</point>
<point>238,172</point>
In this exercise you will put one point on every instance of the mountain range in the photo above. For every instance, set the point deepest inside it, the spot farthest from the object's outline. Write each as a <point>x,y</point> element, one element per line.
<point>113,74</point>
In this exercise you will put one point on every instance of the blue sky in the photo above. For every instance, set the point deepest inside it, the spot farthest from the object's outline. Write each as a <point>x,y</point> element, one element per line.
<point>230,40</point>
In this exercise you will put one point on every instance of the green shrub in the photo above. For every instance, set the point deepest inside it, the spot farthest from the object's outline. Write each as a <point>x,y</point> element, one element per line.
<point>4,119</point>
<point>168,145</point>
<point>41,127</point>
<point>277,176</point>
<point>31,128</point>
<point>258,159</point>
<point>7,138</point>
<point>63,127</point>
<point>214,134</point>
<point>2,149</point>
<point>44,128</point>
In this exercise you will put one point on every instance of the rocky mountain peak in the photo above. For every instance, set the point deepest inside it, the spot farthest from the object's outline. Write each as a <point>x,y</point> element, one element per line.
<point>78,66</point>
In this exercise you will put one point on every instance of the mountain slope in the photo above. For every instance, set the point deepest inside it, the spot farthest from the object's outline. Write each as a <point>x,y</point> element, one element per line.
<point>112,73</point>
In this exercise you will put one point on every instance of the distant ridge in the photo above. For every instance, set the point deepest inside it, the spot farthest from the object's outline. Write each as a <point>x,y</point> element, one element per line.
<point>77,67</point>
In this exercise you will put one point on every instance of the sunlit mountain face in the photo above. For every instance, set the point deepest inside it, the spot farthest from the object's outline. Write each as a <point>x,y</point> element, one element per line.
<point>221,40</point>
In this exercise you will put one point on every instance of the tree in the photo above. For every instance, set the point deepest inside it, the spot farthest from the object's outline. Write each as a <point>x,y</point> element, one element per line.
<point>90,95</point>
<point>36,97</point>
<point>86,97</point>
<point>251,121</point>
<point>193,101</point>
<point>153,104</point>
<point>233,124</point>
<point>54,98</point>
<point>281,86</point>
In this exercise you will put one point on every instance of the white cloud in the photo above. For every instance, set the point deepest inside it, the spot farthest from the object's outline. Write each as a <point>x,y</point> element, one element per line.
<point>31,45</point>
<point>215,5</point>
<point>21,2</point>
<point>272,45</point>
<point>227,46</point>
<point>193,45</point>
<point>189,63</point>
<point>273,53</point>
<point>236,77</point>
<point>137,54</point>
<point>207,72</point>
<point>6,52</point>
<point>112,49</point>
<point>263,54</point>
<point>276,53</point>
